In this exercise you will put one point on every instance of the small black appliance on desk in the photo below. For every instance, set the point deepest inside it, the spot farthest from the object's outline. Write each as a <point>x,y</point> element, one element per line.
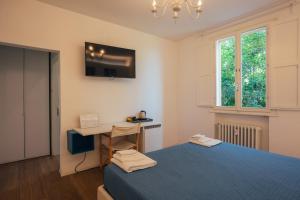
<point>141,118</point>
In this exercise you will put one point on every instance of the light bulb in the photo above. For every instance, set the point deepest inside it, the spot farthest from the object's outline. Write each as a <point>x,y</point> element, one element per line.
<point>101,52</point>
<point>91,48</point>
<point>198,9</point>
<point>199,4</point>
<point>154,8</point>
<point>154,4</point>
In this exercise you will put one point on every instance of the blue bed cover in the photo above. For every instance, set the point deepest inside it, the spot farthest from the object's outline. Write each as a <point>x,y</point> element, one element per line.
<point>223,172</point>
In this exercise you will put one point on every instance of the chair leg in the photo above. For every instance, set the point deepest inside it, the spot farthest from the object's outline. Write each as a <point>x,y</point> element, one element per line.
<point>137,141</point>
<point>110,151</point>
<point>100,151</point>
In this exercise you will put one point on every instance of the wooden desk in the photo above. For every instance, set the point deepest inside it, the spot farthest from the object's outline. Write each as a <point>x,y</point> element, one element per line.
<point>107,128</point>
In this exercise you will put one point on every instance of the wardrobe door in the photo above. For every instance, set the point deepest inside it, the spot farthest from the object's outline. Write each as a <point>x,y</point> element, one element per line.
<point>36,103</point>
<point>11,105</point>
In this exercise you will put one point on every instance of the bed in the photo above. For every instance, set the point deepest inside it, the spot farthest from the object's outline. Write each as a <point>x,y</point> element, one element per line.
<point>223,172</point>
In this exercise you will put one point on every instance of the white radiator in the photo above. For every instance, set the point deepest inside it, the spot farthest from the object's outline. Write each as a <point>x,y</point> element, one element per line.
<point>244,135</point>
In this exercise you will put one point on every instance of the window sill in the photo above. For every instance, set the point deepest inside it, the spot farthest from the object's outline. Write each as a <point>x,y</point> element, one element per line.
<point>264,113</point>
<point>285,108</point>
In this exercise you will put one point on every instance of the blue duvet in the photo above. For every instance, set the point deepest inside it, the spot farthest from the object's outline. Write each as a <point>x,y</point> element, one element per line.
<point>223,172</point>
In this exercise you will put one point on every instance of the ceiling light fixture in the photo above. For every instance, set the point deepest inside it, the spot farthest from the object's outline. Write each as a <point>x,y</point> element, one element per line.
<point>194,7</point>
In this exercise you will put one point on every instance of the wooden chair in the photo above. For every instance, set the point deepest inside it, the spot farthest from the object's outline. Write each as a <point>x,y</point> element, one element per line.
<point>119,132</point>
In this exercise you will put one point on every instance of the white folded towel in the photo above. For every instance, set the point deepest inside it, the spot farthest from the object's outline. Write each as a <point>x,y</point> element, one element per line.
<point>197,136</point>
<point>130,163</point>
<point>127,158</point>
<point>204,141</point>
<point>126,152</point>
<point>200,137</point>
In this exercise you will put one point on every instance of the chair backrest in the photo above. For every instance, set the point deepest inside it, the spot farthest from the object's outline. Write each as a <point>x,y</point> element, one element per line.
<point>118,131</point>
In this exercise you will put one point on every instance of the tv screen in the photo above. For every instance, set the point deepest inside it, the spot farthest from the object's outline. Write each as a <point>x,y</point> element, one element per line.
<point>108,61</point>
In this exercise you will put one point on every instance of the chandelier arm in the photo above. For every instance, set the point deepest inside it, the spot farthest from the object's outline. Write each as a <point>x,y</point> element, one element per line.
<point>189,11</point>
<point>192,4</point>
<point>162,4</point>
<point>164,9</point>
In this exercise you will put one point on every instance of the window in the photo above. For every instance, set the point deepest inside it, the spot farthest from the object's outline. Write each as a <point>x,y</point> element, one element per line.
<point>242,85</point>
<point>253,46</point>
<point>226,67</point>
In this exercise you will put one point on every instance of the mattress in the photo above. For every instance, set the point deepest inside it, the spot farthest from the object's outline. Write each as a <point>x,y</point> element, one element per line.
<point>223,172</point>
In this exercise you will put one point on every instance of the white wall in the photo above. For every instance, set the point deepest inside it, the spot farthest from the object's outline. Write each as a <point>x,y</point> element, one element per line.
<point>192,119</point>
<point>285,133</point>
<point>34,24</point>
<point>196,93</point>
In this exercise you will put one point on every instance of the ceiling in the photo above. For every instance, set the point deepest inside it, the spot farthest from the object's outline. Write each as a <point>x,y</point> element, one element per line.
<point>136,14</point>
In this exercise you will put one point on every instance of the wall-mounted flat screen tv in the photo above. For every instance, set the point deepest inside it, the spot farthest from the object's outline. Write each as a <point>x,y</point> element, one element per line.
<point>108,61</point>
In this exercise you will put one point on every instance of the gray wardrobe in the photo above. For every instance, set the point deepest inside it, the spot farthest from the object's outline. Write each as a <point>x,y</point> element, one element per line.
<point>24,104</point>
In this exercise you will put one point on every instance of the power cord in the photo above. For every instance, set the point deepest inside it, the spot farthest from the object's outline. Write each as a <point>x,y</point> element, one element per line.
<point>84,157</point>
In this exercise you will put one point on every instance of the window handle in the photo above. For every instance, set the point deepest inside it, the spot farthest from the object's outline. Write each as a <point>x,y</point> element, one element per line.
<point>237,70</point>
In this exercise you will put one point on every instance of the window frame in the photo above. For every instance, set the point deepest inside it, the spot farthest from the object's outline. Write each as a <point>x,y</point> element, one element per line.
<point>238,70</point>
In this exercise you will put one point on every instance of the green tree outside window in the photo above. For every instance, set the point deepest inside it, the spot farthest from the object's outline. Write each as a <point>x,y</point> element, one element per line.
<point>254,69</point>
<point>228,72</point>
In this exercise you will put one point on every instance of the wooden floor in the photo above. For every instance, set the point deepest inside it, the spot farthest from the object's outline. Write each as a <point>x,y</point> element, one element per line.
<point>39,179</point>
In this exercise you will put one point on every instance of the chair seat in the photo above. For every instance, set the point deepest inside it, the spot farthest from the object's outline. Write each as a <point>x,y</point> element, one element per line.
<point>123,145</point>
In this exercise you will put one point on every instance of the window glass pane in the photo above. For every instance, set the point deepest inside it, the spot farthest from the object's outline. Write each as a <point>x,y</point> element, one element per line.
<point>226,70</point>
<point>253,46</point>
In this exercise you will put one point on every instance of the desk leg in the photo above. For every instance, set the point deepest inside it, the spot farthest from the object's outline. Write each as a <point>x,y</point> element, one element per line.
<point>142,141</point>
<point>100,151</point>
